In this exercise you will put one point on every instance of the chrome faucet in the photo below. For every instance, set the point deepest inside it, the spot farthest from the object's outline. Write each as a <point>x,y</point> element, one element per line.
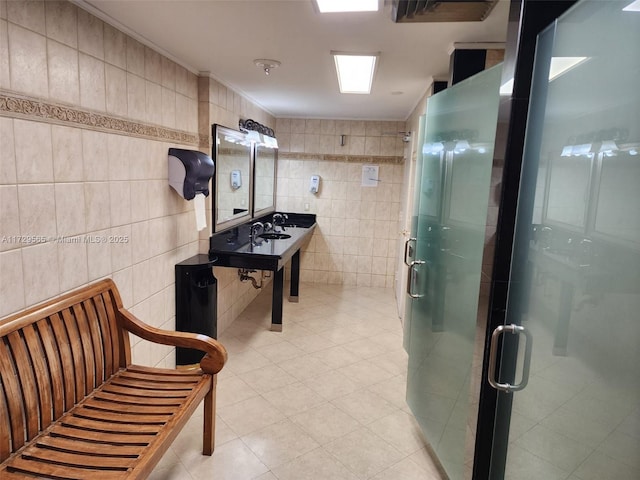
<point>256,230</point>
<point>279,220</point>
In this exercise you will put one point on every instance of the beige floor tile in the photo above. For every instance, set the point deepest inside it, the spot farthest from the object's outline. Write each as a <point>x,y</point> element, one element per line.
<point>312,343</point>
<point>336,357</point>
<point>233,390</point>
<point>365,406</point>
<point>523,465</point>
<point>401,430</point>
<point>268,378</point>
<point>622,447</point>
<point>280,352</point>
<point>393,390</point>
<point>293,399</point>
<point>279,443</point>
<point>326,423</point>
<point>365,373</point>
<point>246,361</point>
<point>250,415</point>
<point>425,461</point>
<point>364,453</point>
<point>315,465</point>
<point>175,471</point>
<point>332,385</point>
<point>600,466</point>
<point>405,469</point>
<point>556,449</point>
<point>266,476</point>
<point>231,461</point>
<point>305,366</point>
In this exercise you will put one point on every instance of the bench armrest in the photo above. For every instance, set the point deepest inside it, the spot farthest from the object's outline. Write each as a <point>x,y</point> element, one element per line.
<point>216,354</point>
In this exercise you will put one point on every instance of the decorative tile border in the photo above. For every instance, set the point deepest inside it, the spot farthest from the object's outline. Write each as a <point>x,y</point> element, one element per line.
<point>393,160</point>
<point>12,105</point>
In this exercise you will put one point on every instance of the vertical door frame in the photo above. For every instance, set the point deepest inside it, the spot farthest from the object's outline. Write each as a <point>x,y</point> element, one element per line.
<point>527,18</point>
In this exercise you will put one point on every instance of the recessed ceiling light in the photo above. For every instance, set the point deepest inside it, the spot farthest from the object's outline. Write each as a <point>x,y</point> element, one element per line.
<point>560,65</point>
<point>632,7</point>
<point>355,71</point>
<point>333,6</point>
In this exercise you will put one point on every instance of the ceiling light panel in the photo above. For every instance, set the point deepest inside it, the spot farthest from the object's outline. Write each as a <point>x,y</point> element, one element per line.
<point>355,72</point>
<point>632,7</point>
<point>334,6</point>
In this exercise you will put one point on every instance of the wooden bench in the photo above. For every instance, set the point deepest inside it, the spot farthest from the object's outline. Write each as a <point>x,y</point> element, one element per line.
<point>72,406</point>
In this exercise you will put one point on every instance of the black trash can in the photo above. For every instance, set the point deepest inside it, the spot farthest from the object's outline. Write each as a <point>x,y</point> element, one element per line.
<point>196,303</point>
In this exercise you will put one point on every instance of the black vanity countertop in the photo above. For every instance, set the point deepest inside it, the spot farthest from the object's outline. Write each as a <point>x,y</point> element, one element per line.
<point>233,247</point>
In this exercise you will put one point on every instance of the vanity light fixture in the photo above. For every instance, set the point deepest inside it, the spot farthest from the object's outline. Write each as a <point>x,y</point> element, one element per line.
<point>632,7</point>
<point>355,71</point>
<point>335,6</point>
<point>270,142</point>
<point>254,136</point>
<point>266,64</point>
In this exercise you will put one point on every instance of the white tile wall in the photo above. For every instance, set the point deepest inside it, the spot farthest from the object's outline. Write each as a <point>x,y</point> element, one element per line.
<point>355,241</point>
<point>100,199</point>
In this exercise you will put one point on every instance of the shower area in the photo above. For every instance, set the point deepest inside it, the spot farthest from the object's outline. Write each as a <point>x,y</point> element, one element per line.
<point>563,364</point>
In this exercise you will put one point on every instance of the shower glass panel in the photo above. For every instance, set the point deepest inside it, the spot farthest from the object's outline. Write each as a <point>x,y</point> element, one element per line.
<point>575,278</point>
<point>444,279</point>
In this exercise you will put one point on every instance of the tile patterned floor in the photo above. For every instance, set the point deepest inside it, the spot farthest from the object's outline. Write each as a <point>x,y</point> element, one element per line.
<point>322,400</point>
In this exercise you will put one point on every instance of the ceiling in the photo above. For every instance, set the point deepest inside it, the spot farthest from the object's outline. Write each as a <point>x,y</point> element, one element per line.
<point>223,37</point>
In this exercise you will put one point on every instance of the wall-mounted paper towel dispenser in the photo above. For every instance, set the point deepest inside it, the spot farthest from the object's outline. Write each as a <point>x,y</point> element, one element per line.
<point>189,172</point>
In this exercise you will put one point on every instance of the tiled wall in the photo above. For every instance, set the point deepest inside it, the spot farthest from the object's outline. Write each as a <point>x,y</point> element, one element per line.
<point>87,115</point>
<point>355,241</point>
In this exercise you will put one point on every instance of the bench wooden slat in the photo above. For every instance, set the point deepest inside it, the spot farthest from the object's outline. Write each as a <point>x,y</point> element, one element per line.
<point>84,460</point>
<point>123,381</point>
<point>137,409</point>
<point>13,395</point>
<point>65,444</point>
<point>160,371</point>
<point>109,427</point>
<point>14,476</point>
<point>100,437</point>
<point>87,349</point>
<point>120,417</point>
<point>53,360</point>
<point>77,354</point>
<point>142,393</point>
<point>165,379</point>
<point>128,400</point>
<point>5,439</point>
<point>108,337</point>
<point>120,344</point>
<point>96,340</point>
<point>66,472</point>
<point>41,371</point>
<point>26,377</point>
<point>62,345</point>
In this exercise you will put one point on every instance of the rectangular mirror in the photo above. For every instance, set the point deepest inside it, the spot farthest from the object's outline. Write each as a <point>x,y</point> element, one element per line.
<point>265,160</point>
<point>232,179</point>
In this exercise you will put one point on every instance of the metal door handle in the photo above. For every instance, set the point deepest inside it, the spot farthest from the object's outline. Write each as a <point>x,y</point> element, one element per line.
<point>406,250</point>
<point>493,358</point>
<point>412,277</point>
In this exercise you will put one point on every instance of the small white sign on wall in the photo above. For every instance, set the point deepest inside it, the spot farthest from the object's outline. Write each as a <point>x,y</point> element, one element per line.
<point>370,175</point>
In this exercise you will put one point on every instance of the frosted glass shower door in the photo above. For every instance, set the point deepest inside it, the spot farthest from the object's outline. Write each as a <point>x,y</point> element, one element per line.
<point>444,277</point>
<point>575,278</point>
